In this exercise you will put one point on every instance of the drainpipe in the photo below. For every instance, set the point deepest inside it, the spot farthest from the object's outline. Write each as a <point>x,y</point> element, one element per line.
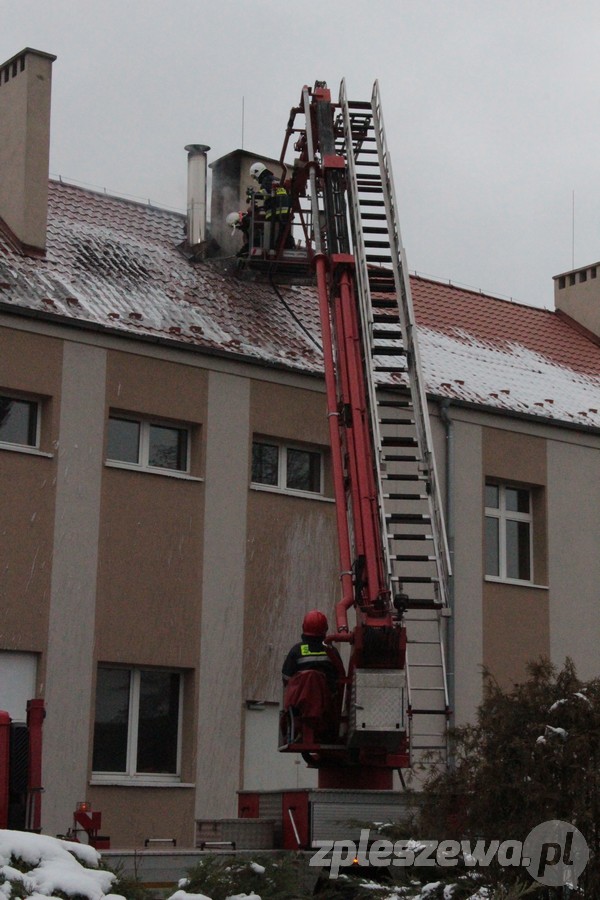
<point>196,193</point>
<point>444,407</point>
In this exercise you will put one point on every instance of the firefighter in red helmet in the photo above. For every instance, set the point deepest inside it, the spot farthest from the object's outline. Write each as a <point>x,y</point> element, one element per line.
<point>313,674</point>
<point>311,652</point>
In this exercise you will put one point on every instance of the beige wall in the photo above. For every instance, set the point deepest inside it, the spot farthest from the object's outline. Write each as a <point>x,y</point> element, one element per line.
<point>29,364</point>
<point>292,560</point>
<point>573,550</point>
<point>212,575</point>
<point>70,660</point>
<point>516,624</point>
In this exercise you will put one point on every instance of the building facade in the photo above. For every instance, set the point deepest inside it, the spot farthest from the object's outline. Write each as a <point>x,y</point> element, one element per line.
<point>167,513</point>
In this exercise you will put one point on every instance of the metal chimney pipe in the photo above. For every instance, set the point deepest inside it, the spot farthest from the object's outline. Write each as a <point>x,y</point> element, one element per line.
<point>196,193</point>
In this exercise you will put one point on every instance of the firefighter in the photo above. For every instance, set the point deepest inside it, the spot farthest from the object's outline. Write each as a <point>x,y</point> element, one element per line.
<point>276,207</point>
<point>240,221</point>
<point>312,672</point>
<point>312,653</point>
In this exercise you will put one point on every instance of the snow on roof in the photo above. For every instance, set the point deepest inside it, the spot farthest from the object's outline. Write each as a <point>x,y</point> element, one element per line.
<point>115,264</point>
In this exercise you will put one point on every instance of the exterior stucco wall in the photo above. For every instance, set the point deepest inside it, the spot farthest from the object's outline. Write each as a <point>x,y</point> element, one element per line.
<point>573,551</point>
<point>468,567</point>
<point>69,666</point>
<point>29,365</point>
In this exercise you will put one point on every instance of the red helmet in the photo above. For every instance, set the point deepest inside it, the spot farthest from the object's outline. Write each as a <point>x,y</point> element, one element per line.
<point>315,624</point>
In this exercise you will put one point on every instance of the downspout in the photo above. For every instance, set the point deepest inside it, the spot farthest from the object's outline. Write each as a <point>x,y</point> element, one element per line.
<point>444,407</point>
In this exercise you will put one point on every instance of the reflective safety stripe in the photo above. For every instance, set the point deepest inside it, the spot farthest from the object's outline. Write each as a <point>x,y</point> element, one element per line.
<point>306,651</point>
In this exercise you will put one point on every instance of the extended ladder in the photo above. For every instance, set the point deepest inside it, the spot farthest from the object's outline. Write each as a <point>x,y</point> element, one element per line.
<point>409,497</point>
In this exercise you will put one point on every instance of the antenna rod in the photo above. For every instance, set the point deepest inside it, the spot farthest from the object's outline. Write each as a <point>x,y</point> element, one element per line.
<point>243,122</point>
<point>573,231</point>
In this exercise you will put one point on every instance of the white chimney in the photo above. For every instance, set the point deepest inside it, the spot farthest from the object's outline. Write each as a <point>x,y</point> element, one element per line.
<point>196,193</point>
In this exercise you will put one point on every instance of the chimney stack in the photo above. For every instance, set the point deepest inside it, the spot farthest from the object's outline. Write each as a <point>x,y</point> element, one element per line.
<point>577,293</point>
<point>25,89</point>
<point>196,194</point>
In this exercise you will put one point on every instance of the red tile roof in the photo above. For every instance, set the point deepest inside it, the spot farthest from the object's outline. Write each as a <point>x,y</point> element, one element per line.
<point>115,264</point>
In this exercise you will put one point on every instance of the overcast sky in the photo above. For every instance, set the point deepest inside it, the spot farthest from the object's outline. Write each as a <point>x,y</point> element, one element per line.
<point>491,110</point>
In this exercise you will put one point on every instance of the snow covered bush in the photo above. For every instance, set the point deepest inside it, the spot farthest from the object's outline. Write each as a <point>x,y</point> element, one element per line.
<point>34,865</point>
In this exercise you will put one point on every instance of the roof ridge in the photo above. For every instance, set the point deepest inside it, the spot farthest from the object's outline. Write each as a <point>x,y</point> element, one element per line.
<point>463,289</point>
<point>121,198</point>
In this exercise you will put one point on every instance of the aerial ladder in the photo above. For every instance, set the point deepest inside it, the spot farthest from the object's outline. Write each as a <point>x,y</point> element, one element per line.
<point>394,563</point>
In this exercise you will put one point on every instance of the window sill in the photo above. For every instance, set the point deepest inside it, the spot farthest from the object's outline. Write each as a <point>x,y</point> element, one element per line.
<point>115,781</point>
<point>147,470</point>
<point>513,581</point>
<point>21,448</point>
<point>306,495</point>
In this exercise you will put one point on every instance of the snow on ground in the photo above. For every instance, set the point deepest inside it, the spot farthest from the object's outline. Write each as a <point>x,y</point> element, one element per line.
<point>55,865</point>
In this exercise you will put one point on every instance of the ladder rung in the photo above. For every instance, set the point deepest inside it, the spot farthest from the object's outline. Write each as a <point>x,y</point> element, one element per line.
<point>420,579</point>
<point>377,257</point>
<point>410,537</point>
<point>399,442</point>
<point>423,604</point>
<point>395,496</point>
<point>395,404</point>
<point>396,421</point>
<point>381,334</point>
<point>390,369</point>
<point>388,350</point>
<point>408,517</point>
<point>412,557</point>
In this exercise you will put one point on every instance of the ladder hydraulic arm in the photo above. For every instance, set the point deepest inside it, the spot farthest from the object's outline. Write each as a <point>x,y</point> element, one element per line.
<point>387,498</point>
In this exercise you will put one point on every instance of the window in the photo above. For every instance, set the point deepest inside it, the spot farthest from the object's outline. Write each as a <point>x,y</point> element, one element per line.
<point>150,445</point>
<point>287,468</point>
<point>18,421</point>
<point>508,533</point>
<point>138,723</point>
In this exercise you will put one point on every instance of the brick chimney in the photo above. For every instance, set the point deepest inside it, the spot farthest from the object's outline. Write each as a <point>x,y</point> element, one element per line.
<point>25,87</point>
<point>577,294</point>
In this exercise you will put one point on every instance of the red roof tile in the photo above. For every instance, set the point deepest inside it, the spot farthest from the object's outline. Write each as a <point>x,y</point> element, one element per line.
<point>115,264</point>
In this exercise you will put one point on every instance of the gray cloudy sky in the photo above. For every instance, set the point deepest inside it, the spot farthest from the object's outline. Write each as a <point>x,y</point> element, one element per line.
<point>491,109</point>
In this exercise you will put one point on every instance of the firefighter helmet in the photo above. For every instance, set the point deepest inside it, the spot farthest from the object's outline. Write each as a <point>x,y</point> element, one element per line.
<point>233,219</point>
<point>256,170</point>
<point>315,624</point>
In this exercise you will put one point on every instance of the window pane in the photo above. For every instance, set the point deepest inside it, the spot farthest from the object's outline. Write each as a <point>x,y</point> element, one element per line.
<point>168,447</point>
<point>492,547</point>
<point>112,717</point>
<point>517,500</point>
<point>18,421</point>
<point>303,470</point>
<point>517,550</point>
<point>123,440</point>
<point>265,463</point>
<point>492,496</point>
<point>158,722</point>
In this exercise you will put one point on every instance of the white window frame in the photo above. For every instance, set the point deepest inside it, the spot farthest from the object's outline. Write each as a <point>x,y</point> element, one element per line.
<point>144,446</point>
<point>281,486</point>
<point>504,515</point>
<point>25,448</point>
<point>130,775</point>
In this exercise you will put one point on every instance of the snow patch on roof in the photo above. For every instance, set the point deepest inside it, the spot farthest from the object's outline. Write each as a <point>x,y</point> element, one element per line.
<point>510,377</point>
